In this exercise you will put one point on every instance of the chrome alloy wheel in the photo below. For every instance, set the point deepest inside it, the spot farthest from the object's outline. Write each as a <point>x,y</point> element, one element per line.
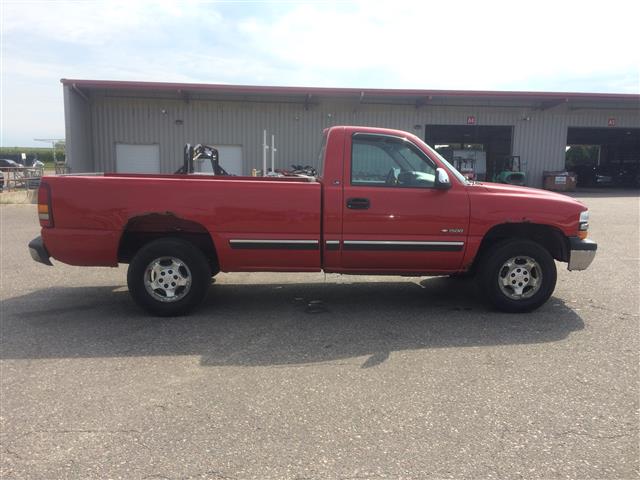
<point>520,277</point>
<point>167,279</point>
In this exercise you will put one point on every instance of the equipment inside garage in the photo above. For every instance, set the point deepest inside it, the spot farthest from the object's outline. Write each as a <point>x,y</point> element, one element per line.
<point>480,148</point>
<point>604,156</point>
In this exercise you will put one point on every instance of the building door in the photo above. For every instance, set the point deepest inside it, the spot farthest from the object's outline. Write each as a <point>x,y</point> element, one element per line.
<point>230,159</point>
<point>137,158</point>
<point>604,156</point>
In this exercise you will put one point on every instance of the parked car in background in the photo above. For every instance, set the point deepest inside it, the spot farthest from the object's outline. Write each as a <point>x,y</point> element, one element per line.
<point>613,175</point>
<point>591,176</point>
<point>7,164</point>
<point>20,175</point>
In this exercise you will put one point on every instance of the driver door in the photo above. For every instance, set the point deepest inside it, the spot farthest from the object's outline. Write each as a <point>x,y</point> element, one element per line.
<point>394,219</point>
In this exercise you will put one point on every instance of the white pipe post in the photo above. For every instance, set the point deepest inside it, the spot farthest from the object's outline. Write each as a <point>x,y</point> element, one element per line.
<point>273,154</point>
<point>265,147</point>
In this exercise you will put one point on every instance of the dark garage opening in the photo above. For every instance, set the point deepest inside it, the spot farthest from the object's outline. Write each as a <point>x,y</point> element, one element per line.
<point>494,141</point>
<point>604,156</point>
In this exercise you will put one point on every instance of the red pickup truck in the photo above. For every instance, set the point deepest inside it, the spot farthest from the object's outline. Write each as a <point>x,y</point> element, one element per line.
<point>384,202</point>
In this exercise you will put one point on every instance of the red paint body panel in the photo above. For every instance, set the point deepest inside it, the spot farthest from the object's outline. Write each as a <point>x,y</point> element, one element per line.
<point>494,204</point>
<point>332,196</point>
<point>398,213</point>
<point>92,212</point>
<point>238,208</point>
<point>82,247</point>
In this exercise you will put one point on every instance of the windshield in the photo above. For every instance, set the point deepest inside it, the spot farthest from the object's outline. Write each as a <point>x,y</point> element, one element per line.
<point>450,167</point>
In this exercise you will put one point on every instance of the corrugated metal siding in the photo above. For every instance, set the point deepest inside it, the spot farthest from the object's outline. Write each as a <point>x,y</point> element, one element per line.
<point>78,126</point>
<point>540,140</point>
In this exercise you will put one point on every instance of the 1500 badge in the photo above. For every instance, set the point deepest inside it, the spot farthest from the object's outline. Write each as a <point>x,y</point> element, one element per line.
<point>452,230</point>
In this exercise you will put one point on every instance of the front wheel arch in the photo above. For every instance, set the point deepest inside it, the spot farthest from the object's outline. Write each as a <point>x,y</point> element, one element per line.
<point>547,236</point>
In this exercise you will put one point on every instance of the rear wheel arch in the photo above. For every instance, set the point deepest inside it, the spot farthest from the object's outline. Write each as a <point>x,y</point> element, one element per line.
<point>144,229</point>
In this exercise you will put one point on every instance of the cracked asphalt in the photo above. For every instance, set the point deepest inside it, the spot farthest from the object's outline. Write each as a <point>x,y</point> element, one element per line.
<point>386,378</point>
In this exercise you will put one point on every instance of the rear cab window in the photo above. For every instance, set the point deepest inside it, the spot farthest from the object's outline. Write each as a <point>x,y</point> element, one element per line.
<point>321,154</point>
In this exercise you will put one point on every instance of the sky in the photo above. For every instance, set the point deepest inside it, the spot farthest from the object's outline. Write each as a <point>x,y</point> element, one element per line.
<point>559,45</point>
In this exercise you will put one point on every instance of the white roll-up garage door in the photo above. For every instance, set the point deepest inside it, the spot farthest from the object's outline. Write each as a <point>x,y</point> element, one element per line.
<point>137,158</point>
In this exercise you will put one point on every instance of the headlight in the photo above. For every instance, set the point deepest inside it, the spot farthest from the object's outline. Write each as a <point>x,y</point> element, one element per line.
<point>583,224</point>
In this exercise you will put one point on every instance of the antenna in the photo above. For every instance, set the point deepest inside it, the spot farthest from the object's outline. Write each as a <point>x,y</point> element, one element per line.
<point>53,142</point>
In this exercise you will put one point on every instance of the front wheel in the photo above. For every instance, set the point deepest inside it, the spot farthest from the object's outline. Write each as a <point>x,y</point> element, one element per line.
<point>517,276</point>
<point>168,277</point>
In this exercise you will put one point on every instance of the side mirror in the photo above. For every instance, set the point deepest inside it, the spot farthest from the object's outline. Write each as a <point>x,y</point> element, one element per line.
<point>443,182</point>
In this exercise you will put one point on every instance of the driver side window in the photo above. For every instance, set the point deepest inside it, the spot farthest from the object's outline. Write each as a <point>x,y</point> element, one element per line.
<point>384,161</point>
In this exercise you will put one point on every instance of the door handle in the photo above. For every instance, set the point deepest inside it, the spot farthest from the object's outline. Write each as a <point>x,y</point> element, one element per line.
<point>358,203</point>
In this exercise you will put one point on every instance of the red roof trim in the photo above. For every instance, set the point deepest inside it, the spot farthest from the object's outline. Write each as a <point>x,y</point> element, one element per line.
<point>253,89</point>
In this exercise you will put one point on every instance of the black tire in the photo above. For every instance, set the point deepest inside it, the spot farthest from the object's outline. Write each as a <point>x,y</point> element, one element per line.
<point>462,275</point>
<point>194,269</point>
<point>493,274</point>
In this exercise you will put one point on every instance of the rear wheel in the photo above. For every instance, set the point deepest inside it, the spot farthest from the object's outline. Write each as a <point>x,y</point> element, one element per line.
<point>517,276</point>
<point>168,277</point>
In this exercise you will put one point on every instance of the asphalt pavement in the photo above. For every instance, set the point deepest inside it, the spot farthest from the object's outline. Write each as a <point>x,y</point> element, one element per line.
<point>382,378</point>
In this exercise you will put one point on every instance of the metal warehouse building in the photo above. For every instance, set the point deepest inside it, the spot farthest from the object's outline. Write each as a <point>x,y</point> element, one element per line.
<point>143,127</point>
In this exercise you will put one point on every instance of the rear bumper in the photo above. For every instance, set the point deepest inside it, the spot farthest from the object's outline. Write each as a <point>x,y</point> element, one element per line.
<point>582,253</point>
<point>38,251</point>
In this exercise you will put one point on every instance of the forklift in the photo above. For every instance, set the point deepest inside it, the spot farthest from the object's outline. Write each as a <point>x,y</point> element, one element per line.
<point>510,170</point>
<point>199,154</point>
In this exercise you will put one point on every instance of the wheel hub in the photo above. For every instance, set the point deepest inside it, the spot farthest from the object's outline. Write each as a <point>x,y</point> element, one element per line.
<point>167,279</point>
<point>520,277</point>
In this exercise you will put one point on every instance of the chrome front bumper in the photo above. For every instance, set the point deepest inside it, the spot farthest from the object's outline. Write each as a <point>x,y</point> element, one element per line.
<point>581,254</point>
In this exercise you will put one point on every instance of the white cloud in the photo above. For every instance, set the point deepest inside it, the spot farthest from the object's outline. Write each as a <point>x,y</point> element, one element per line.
<point>454,44</point>
<point>94,22</point>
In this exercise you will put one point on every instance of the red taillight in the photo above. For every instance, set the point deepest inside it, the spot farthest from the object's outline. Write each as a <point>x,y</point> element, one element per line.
<point>45,214</point>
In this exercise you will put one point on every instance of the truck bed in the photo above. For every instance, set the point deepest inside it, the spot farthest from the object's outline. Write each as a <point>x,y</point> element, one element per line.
<point>92,211</point>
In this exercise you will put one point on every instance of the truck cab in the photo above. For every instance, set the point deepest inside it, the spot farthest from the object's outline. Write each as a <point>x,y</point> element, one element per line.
<point>392,208</point>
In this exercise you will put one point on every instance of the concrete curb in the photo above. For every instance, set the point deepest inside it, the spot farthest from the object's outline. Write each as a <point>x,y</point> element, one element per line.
<point>19,196</point>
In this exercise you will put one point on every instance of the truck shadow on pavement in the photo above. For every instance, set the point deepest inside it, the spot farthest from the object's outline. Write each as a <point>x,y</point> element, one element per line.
<point>275,324</point>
